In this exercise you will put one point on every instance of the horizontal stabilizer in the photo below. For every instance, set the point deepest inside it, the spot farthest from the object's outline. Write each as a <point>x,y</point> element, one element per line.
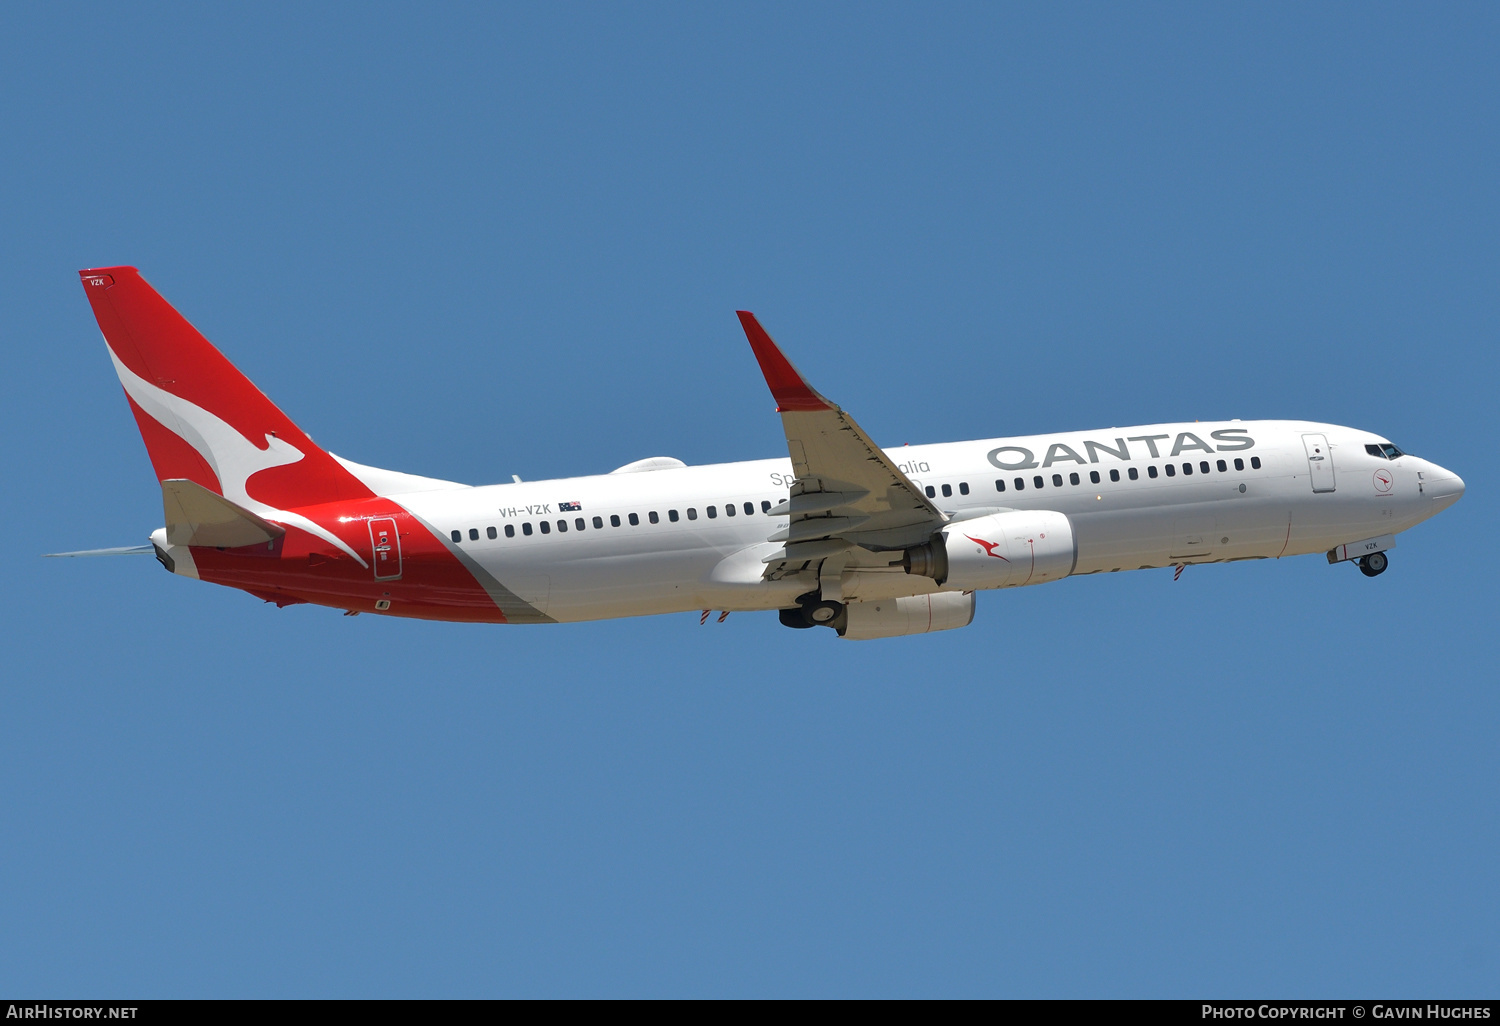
<point>123,550</point>
<point>197,516</point>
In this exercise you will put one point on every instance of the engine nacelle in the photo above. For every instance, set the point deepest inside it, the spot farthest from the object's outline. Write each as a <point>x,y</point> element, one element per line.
<point>910,614</point>
<point>1002,550</point>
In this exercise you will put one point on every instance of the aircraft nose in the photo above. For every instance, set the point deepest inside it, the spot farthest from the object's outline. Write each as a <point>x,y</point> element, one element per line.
<point>1444,487</point>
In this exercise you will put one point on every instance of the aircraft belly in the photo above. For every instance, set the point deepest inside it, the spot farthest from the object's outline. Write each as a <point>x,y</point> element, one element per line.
<point>1320,522</point>
<point>646,583</point>
<point>1123,539</point>
<point>1222,529</point>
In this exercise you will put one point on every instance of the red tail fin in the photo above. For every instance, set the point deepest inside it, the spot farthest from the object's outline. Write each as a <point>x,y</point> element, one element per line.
<point>200,417</point>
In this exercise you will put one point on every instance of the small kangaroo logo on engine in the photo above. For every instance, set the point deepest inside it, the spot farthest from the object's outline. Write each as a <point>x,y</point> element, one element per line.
<point>989,547</point>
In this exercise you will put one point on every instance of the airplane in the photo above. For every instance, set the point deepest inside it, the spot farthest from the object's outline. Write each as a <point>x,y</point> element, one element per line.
<point>839,533</point>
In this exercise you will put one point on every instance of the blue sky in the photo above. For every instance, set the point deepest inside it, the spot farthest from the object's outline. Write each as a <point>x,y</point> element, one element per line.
<point>476,241</point>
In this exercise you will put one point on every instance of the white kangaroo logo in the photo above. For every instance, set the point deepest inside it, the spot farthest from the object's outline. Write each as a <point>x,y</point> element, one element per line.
<point>233,457</point>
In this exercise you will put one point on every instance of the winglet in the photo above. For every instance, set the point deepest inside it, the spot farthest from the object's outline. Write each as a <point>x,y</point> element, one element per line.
<point>790,388</point>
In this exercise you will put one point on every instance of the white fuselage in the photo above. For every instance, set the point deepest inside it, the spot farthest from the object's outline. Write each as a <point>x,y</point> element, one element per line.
<point>709,559</point>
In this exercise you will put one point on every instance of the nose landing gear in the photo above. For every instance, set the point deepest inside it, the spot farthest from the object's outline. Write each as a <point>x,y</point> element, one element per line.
<point>1374,564</point>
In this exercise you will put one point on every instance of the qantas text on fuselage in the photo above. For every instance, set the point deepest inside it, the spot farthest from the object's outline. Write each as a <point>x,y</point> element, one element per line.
<point>839,533</point>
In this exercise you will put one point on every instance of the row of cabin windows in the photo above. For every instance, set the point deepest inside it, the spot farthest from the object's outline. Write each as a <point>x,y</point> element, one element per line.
<point>1039,481</point>
<point>1114,475</point>
<point>634,519</point>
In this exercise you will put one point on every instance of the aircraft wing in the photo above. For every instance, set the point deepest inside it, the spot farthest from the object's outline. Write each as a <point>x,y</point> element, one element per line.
<point>849,503</point>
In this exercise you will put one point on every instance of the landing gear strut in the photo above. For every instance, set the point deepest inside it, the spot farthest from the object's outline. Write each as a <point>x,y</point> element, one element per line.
<point>1374,564</point>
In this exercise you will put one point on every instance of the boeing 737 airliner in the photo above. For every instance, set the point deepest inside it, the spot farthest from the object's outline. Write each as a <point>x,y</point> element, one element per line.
<point>840,533</point>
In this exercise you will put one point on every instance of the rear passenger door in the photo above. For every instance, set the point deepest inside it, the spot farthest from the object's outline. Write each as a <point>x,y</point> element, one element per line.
<point>385,546</point>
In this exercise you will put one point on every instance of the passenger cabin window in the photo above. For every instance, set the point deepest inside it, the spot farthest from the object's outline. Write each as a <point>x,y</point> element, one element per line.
<point>580,524</point>
<point>1020,484</point>
<point>490,532</point>
<point>510,530</point>
<point>749,509</point>
<point>1094,476</point>
<point>963,488</point>
<point>713,512</point>
<point>1239,464</point>
<point>1203,466</point>
<point>635,520</point>
<point>1187,468</point>
<point>1056,480</point>
<point>931,492</point>
<point>672,516</point>
<point>598,523</point>
<point>692,513</point>
<point>526,529</point>
<point>652,516</point>
<point>614,520</point>
<point>1135,475</point>
<point>765,505</point>
<point>999,486</point>
<point>473,534</point>
<point>1037,481</point>
<point>1073,478</point>
<point>562,527</point>
<point>729,509</point>
<point>1254,462</point>
<point>947,491</point>
<point>1222,467</point>
<point>1114,475</point>
<point>1171,470</point>
<point>546,527</point>
<point>458,536</point>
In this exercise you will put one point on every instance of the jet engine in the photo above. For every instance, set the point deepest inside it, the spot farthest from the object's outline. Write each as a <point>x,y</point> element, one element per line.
<point>910,614</point>
<point>1002,550</point>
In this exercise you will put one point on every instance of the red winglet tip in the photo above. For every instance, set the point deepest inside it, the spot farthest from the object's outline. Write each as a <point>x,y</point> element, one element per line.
<point>789,388</point>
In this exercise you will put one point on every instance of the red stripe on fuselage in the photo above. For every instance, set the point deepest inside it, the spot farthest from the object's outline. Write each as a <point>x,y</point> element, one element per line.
<point>434,584</point>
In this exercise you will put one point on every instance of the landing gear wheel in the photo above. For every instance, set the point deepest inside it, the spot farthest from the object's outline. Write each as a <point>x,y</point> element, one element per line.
<point>1374,564</point>
<point>821,613</point>
<point>793,618</point>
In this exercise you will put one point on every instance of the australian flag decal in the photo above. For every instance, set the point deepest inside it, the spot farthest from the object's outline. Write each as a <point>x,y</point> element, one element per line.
<point>569,507</point>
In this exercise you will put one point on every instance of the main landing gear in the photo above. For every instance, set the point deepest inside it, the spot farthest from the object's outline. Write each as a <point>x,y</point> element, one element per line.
<point>812,611</point>
<point>1373,565</point>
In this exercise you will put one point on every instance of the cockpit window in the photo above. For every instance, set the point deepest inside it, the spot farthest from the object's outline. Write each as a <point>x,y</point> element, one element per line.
<point>1385,450</point>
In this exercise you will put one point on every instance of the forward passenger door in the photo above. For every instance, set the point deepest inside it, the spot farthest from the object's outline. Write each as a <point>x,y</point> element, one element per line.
<point>1319,462</point>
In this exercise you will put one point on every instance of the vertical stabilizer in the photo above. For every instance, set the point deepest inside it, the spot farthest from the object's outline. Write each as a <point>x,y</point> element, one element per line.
<point>201,419</point>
